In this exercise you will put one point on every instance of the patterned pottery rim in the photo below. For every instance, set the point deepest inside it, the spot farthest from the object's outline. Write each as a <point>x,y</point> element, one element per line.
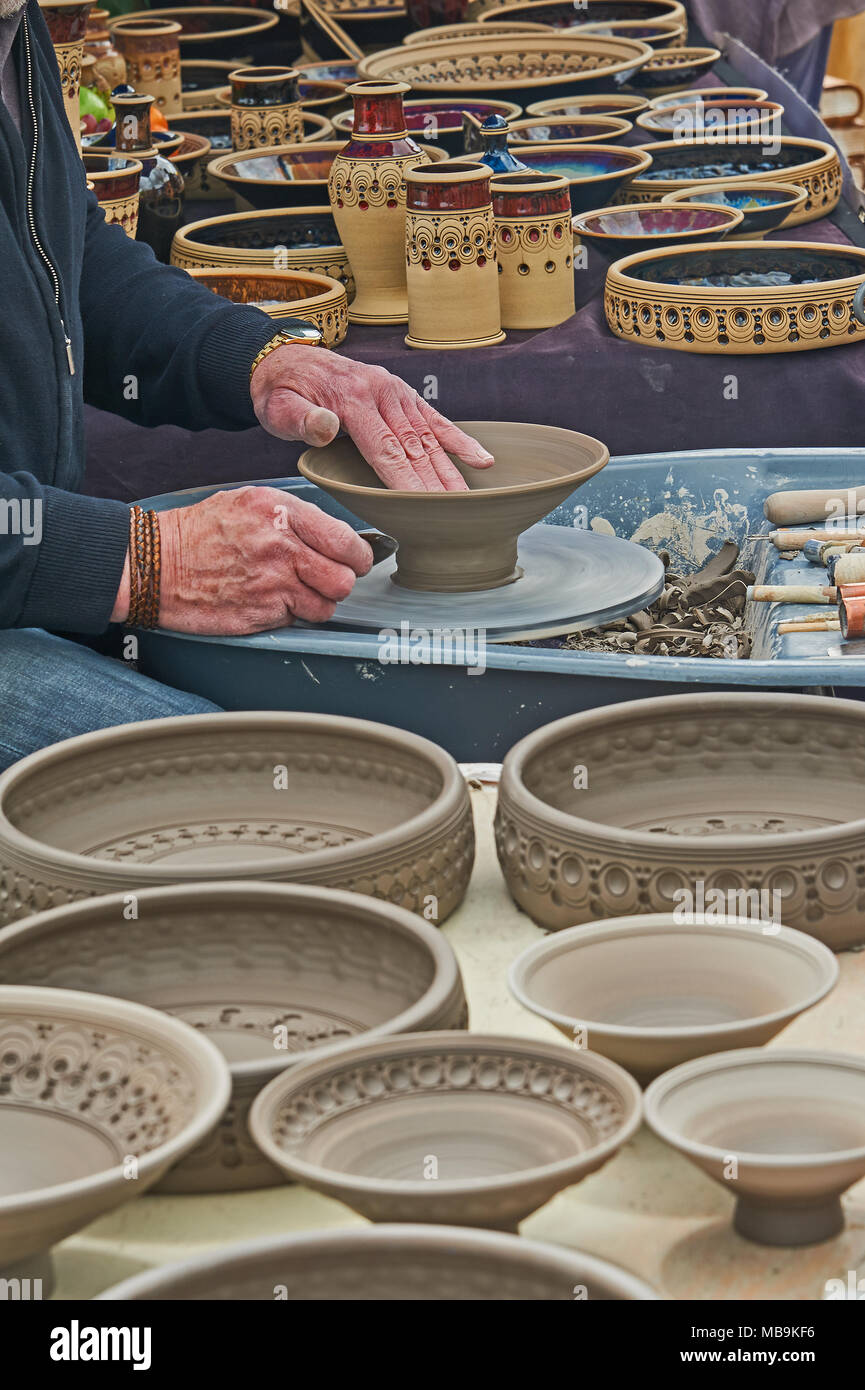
<point>666,31</point>
<point>145,26</point>
<point>342,121</point>
<point>671,10</point>
<point>262,73</point>
<point>731,93</point>
<point>672,60</point>
<point>475,29</point>
<point>618,102</point>
<point>582,223</point>
<point>257,23</point>
<point>328,294</point>
<point>767,112</point>
<point>185,243</point>
<point>796,196</point>
<point>218,167</point>
<point>190,153</point>
<point>106,175</point>
<point>612,127</point>
<point>634,159</point>
<point>322,126</point>
<point>825,155</point>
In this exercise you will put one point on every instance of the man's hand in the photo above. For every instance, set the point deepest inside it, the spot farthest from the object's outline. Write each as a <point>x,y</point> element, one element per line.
<point>309,393</point>
<point>251,559</point>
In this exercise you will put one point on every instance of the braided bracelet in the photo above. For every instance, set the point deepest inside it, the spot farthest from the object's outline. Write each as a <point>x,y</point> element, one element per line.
<point>144,568</point>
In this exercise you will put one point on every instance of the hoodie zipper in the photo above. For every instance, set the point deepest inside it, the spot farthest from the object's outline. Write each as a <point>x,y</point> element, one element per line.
<point>31,219</point>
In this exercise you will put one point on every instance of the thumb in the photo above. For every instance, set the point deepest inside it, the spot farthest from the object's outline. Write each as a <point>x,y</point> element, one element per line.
<point>288,415</point>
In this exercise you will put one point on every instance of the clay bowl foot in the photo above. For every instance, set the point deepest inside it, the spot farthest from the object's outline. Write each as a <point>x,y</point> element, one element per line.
<point>777,1224</point>
<point>457,542</point>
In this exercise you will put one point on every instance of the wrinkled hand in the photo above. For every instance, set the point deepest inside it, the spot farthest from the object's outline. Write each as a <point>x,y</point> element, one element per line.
<point>307,393</point>
<point>251,559</point>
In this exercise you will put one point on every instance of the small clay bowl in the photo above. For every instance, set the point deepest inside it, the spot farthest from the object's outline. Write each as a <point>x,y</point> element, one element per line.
<point>271,973</point>
<point>200,80</point>
<point>302,238</point>
<point>387,1264</point>
<point>441,120</point>
<point>454,1128</point>
<point>474,29</point>
<point>782,1131</point>
<point>651,992</point>
<point>575,130</point>
<point>658,33</point>
<point>727,794</point>
<point>765,206</point>
<point>201,797</point>
<point>462,541</point>
<point>284,294</point>
<point>719,119</point>
<point>673,69</point>
<point>192,152</point>
<point>595,173</point>
<point>86,1083</point>
<point>322,97</point>
<point>623,231</point>
<point>624,106</point>
<point>215,126</point>
<point>740,94</point>
<point>214,31</point>
<point>278,176</point>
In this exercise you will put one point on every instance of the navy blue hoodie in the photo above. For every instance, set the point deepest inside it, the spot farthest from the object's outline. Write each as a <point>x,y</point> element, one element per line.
<point>147,342</point>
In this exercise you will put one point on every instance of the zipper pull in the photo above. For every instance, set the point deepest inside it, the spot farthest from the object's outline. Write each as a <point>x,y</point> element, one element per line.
<point>69,358</point>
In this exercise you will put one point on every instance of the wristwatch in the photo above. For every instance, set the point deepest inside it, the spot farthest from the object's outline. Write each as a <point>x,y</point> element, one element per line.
<point>292,331</point>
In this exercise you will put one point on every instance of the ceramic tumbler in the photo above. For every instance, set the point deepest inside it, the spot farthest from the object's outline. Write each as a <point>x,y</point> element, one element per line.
<point>367,193</point>
<point>451,267</point>
<point>67,25</point>
<point>151,50</point>
<point>115,179</point>
<point>535,244</point>
<point>265,109</point>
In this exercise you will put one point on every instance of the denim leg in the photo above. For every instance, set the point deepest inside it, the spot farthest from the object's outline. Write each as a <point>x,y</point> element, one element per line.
<point>51,689</point>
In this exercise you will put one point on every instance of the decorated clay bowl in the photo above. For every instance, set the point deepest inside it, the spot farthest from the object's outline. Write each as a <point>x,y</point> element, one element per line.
<point>594,172</point>
<point>322,97</point>
<point>200,82</point>
<point>617,232</point>
<point>475,29</point>
<point>782,1131</point>
<point>98,1098</point>
<point>454,1128</point>
<point>622,105</point>
<point>269,972</point>
<point>738,94</point>
<point>461,541</point>
<point>564,14</point>
<point>659,33</point>
<point>440,120</point>
<point>745,814</point>
<point>315,125</point>
<point>718,119</point>
<point>364,807</point>
<point>673,69</point>
<point>302,238</point>
<point>651,992</point>
<point>278,176</point>
<point>745,297</point>
<point>217,31</point>
<point>191,155</point>
<point>284,294</point>
<point>398,1263</point>
<point>115,182</point>
<point>215,126</point>
<point>576,130</point>
<point>765,207</point>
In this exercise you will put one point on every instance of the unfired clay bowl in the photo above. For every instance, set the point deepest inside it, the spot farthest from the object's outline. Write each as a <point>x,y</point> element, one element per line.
<point>651,992</point>
<point>464,1129</point>
<point>782,1131</point>
<point>388,1264</point>
<point>270,972</point>
<point>640,806</point>
<point>345,803</point>
<point>98,1098</point>
<point>462,541</point>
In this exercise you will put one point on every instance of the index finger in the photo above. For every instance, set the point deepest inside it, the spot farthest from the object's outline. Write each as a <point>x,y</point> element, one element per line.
<point>331,537</point>
<point>453,439</point>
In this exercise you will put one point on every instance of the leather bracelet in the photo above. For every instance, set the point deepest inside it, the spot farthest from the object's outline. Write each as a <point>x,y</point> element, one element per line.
<point>295,331</point>
<point>145,557</point>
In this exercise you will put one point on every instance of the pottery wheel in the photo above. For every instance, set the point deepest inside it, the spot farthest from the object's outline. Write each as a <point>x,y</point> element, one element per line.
<point>572,579</point>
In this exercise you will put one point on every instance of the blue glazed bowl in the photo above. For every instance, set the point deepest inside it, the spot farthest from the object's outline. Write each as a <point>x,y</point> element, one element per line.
<point>564,130</point>
<point>594,172</point>
<point>765,206</point>
<point>623,231</point>
<point>672,69</point>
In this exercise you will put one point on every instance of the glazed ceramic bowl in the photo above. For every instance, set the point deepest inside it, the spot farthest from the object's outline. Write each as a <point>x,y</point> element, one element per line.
<point>88,1086</point>
<point>718,119</point>
<point>739,94</point>
<point>282,176</point>
<point>617,232</point>
<point>765,207</point>
<point>651,992</point>
<point>440,120</point>
<point>365,807</point>
<point>284,294</point>
<point>657,33</point>
<point>782,1131</point>
<point>115,182</point>
<point>594,172</point>
<point>215,126</point>
<point>475,29</point>
<point>673,69</point>
<point>388,1264</point>
<point>322,97</point>
<point>191,155</point>
<point>575,130</point>
<point>564,14</point>
<point>200,80</point>
<point>720,792</point>
<point>747,297</point>
<point>271,973</point>
<point>454,1128</point>
<point>624,106</point>
<point>302,238</point>
<point>339,71</point>
<point>215,32</point>
<point>461,541</point>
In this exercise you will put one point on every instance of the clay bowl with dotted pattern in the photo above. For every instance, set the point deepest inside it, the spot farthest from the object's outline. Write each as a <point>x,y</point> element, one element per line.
<point>98,1098</point>
<point>399,1263</point>
<point>269,972</point>
<point>454,1128</point>
<point>746,803</point>
<point>303,798</point>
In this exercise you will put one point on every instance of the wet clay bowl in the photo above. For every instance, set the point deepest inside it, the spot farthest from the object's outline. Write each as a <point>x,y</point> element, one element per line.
<point>215,32</point>
<point>518,68</point>
<point>284,294</point>
<point>742,793</point>
<point>278,176</point>
<point>745,297</point>
<point>617,232</point>
<point>199,83</point>
<point>622,105</point>
<point>782,1131</point>
<point>595,173</point>
<point>441,120</point>
<point>651,992</point>
<point>765,207</point>
<point>673,69</point>
<point>98,1098</point>
<point>462,541</point>
<point>575,130</point>
<point>269,972</point>
<point>388,1264</point>
<point>364,807</point>
<point>302,238</point>
<point>679,164</point>
<point>456,1128</point>
<point>718,119</point>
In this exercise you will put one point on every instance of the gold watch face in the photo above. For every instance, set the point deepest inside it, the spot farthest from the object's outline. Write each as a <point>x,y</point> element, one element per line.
<point>298,331</point>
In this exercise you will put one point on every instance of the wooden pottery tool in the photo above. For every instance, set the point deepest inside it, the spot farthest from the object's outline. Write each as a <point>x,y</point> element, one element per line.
<point>804,625</point>
<point>849,569</point>
<point>812,504</point>
<point>792,593</point>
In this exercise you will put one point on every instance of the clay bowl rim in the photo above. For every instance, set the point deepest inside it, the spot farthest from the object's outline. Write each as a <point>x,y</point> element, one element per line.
<point>706,93</point>
<point>306,147</point>
<point>656,924</point>
<point>495,29</point>
<point>608,238</point>
<point>838,286</point>
<point>659,1090</point>
<point>292,896</point>
<point>358,490</point>
<point>141,24</point>
<point>322,125</point>
<point>274,1094</point>
<point>640,154</point>
<point>201,246</point>
<point>690,55</point>
<point>262,22</point>
<point>329,293</point>
<point>616,126</point>
<point>796,194</point>
<point>623,27</point>
<point>102,175</point>
<point>666,706</point>
<point>340,120</point>
<point>187,156</point>
<point>213,1085</point>
<point>623,101</point>
<point>675,11</point>
<point>822,151</point>
<point>448,800</point>
<point>768,111</point>
<point>263,72</point>
<point>577,1266</point>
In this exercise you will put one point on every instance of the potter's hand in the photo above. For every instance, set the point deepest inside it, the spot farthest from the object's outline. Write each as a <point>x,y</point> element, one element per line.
<point>251,559</point>
<point>307,393</point>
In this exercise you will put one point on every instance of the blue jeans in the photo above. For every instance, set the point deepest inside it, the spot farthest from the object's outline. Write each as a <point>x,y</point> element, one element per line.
<point>52,689</point>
